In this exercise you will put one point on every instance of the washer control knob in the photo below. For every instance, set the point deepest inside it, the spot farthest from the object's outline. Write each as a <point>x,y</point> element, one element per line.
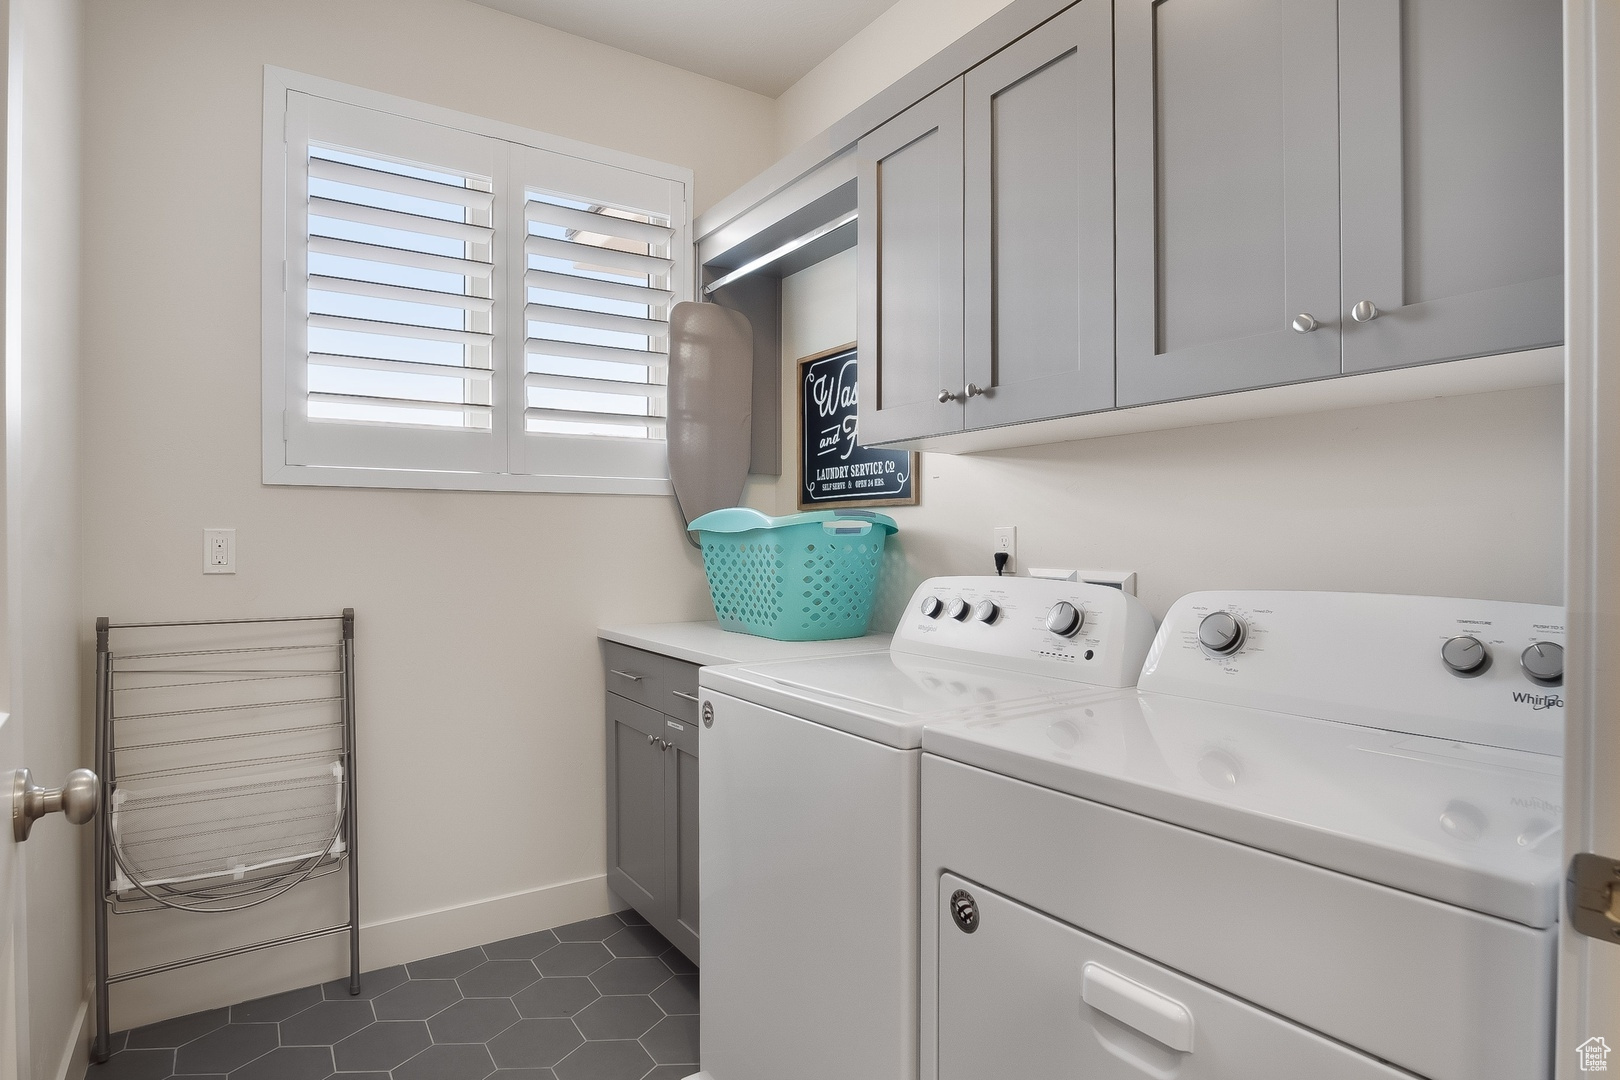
<point>1064,619</point>
<point>958,609</point>
<point>986,611</point>
<point>1465,655</point>
<point>1543,662</point>
<point>1221,633</point>
<point>931,607</point>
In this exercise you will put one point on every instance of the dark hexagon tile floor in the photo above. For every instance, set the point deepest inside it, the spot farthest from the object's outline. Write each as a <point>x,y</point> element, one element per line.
<point>603,999</point>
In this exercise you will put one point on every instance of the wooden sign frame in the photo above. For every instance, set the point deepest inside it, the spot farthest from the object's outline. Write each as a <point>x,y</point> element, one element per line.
<point>806,482</point>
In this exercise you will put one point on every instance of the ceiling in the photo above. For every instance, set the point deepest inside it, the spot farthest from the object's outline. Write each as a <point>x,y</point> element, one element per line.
<point>761,45</point>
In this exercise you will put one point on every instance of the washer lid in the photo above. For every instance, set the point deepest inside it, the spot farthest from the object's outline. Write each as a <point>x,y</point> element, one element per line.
<point>1471,825</point>
<point>885,697</point>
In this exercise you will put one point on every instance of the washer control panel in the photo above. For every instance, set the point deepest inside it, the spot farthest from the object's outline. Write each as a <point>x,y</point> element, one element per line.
<point>1478,671</point>
<point>1066,629</point>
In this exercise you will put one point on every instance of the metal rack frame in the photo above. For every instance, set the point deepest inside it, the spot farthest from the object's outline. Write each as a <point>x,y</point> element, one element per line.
<point>214,890</point>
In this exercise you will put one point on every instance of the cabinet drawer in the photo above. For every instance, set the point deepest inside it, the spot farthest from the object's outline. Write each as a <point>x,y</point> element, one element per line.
<point>658,682</point>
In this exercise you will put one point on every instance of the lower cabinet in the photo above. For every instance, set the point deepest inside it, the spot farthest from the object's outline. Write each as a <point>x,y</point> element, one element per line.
<point>652,800</point>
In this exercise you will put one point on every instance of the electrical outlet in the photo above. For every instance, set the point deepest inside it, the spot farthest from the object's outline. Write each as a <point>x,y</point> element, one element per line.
<point>1007,540</point>
<point>219,551</point>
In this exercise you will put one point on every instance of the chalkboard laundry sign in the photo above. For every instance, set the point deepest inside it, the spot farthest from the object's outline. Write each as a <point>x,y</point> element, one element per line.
<point>834,468</point>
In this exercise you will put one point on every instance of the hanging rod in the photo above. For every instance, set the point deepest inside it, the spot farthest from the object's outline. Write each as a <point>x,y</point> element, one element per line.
<point>780,253</point>
<point>223,622</point>
<point>221,652</point>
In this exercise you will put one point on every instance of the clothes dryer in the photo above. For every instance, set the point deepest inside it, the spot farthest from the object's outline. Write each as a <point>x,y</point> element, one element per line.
<point>1321,839</point>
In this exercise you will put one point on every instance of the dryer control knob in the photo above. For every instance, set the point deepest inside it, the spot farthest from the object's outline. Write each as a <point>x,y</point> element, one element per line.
<point>986,611</point>
<point>1064,619</point>
<point>1543,662</point>
<point>1221,633</point>
<point>958,609</point>
<point>931,607</point>
<point>1465,655</point>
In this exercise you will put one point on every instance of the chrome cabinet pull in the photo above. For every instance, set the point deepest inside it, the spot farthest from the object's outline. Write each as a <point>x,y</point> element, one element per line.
<point>624,674</point>
<point>684,696</point>
<point>1305,323</point>
<point>972,390</point>
<point>1365,311</point>
<point>946,397</point>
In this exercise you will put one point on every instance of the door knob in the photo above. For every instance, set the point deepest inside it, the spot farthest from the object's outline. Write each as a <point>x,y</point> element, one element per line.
<point>1305,323</point>
<point>1364,311</point>
<point>76,800</point>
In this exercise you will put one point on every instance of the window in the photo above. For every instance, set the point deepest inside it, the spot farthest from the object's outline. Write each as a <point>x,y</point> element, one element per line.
<point>454,303</point>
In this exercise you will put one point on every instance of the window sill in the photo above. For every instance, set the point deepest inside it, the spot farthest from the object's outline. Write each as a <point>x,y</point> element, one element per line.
<point>281,475</point>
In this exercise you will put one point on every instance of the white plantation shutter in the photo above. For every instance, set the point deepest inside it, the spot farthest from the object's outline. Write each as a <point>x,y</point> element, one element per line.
<point>600,273</point>
<point>457,304</point>
<point>393,289</point>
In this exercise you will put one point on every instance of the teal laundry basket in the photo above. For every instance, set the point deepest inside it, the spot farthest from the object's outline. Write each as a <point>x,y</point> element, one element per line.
<point>803,577</point>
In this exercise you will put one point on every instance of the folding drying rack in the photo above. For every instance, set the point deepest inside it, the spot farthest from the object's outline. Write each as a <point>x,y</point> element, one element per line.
<point>226,754</point>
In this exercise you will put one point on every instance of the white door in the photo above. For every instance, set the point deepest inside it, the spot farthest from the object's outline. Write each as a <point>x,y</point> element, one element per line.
<point>1589,967</point>
<point>13,957</point>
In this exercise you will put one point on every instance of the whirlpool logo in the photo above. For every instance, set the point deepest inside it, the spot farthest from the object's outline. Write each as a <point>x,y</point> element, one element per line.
<point>1539,701</point>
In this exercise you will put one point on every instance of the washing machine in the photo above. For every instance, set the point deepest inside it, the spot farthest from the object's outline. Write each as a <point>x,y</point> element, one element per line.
<point>1321,839</point>
<point>808,814</point>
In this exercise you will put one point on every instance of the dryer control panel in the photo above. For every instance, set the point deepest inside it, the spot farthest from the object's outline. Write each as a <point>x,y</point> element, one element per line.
<point>1477,671</point>
<point>1063,629</point>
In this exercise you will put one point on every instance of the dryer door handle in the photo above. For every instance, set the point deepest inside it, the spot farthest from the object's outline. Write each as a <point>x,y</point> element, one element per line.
<point>1162,1019</point>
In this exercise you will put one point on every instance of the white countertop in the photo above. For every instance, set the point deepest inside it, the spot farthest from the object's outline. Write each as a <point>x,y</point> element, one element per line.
<point>705,643</point>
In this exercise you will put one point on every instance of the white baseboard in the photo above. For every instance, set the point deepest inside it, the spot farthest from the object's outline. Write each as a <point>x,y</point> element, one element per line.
<point>431,933</point>
<point>383,943</point>
<point>76,1054</point>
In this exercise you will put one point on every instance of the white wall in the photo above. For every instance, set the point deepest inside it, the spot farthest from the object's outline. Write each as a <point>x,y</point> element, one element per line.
<point>892,44</point>
<point>480,699</point>
<point>1455,496</point>
<point>42,519</point>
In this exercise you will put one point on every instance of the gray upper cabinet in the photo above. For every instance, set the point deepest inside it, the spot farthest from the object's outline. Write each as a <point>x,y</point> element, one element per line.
<point>1452,148</point>
<point>1142,201</point>
<point>1228,208</point>
<point>909,176</point>
<point>1039,223</point>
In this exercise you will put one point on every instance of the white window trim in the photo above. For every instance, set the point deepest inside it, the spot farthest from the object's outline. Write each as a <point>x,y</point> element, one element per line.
<point>274,297</point>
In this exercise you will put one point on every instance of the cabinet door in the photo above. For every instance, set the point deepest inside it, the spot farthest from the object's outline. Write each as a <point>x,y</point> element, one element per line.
<point>1039,210</point>
<point>909,313</point>
<point>635,792</point>
<point>1452,148</point>
<point>1227,191</point>
<point>681,834</point>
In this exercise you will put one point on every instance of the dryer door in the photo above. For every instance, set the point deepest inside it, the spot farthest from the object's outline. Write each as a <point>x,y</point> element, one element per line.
<point>1021,994</point>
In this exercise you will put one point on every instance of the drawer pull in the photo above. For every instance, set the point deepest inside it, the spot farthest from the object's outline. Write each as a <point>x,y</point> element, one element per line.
<point>684,696</point>
<point>624,674</point>
<point>1162,1019</point>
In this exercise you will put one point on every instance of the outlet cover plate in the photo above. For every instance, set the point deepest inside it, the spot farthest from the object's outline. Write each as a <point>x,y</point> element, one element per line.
<point>219,551</point>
